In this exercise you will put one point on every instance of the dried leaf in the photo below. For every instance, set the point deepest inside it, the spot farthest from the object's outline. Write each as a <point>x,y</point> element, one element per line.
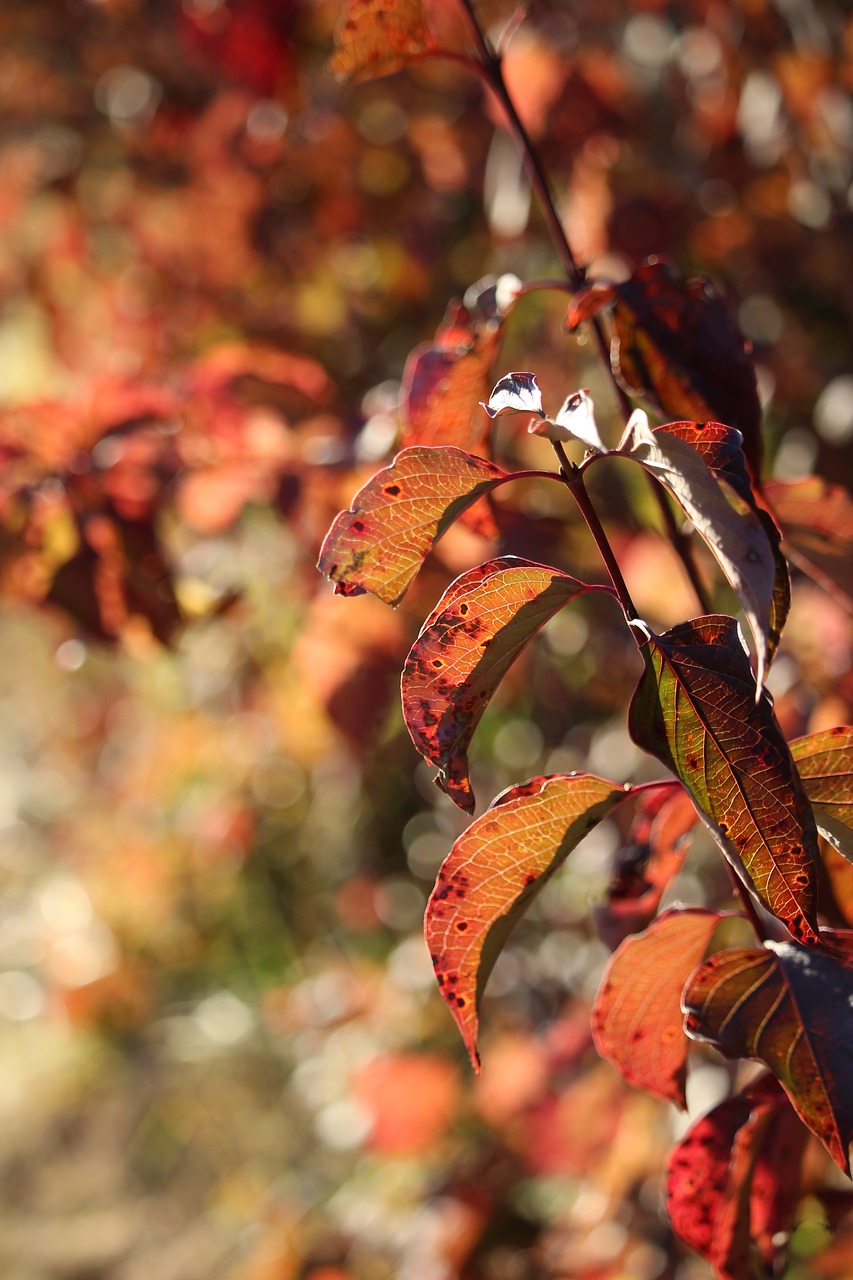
<point>492,874</point>
<point>636,1020</point>
<point>791,1007</point>
<point>695,710</point>
<point>816,519</point>
<point>378,37</point>
<point>380,543</point>
<point>731,528</point>
<point>467,644</point>
<point>825,764</point>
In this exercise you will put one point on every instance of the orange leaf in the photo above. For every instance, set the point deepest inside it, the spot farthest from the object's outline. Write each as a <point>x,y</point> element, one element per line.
<point>636,1020</point>
<point>378,37</point>
<point>492,874</point>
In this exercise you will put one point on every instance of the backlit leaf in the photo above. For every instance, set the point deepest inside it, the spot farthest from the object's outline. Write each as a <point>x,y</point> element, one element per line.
<point>732,1179</point>
<point>636,1020</point>
<point>445,381</point>
<point>816,519</point>
<point>515,393</point>
<point>577,421</point>
<point>377,37</point>
<point>492,874</point>
<point>825,764</point>
<point>380,543</point>
<point>677,344</point>
<point>695,710</point>
<point>732,529</point>
<point>791,1007</point>
<point>469,641</point>
<point>658,842</point>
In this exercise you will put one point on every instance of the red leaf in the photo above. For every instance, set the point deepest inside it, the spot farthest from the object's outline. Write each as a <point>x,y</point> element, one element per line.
<point>695,710</point>
<point>466,646</point>
<point>728,1188</point>
<point>492,874</point>
<point>825,764</point>
<point>659,840</point>
<point>791,1007</point>
<point>677,344</point>
<point>636,1020</point>
<point>380,543</point>
<point>816,519</point>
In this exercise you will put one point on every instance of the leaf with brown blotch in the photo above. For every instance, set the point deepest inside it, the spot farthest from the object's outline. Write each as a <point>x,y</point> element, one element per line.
<point>380,543</point>
<point>731,1181</point>
<point>637,1021</point>
<point>791,1007</point>
<point>676,343</point>
<point>695,710</point>
<point>465,647</point>
<point>658,841</point>
<point>495,870</point>
<point>515,393</point>
<point>825,764</point>
<point>732,529</point>
<point>378,37</point>
<point>816,519</point>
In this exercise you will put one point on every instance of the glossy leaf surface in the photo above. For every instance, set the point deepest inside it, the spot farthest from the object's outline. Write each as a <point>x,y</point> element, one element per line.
<point>732,529</point>
<point>515,393</point>
<point>492,874</point>
<point>695,710</point>
<point>380,543</point>
<point>816,519</point>
<point>377,37</point>
<point>825,764</point>
<point>657,844</point>
<point>636,1020</point>
<point>731,1180</point>
<point>677,344</point>
<point>791,1007</point>
<point>467,644</point>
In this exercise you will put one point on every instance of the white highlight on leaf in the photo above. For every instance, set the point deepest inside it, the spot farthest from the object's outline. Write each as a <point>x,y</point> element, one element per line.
<point>515,393</point>
<point>575,421</point>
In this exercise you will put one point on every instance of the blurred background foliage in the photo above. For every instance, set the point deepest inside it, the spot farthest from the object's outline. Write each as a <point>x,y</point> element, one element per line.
<point>221,1053</point>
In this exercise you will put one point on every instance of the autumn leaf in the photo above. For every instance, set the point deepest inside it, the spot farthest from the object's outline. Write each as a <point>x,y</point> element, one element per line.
<point>732,529</point>
<point>380,543</point>
<point>515,393</point>
<point>816,519</point>
<point>476,631</point>
<point>825,764</point>
<point>695,710</point>
<point>657,844</point>
<point>492,874</point>
<point>731,1181</point>
<point>378,37</point>
<point>677,344</point>
<point>791,1007</point>
<point>637,1021</point>
<point>445,381</point>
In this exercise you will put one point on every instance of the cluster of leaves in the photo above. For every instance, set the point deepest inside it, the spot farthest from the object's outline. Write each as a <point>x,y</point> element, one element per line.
<point>699,708</point>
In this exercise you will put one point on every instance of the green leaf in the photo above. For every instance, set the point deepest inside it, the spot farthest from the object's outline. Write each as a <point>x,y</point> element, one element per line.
<point>467,644</point>
<point>381,542</point>
<point>637,1021</point>
<point>791,1007</point>
<point>731,527</point>
<point>492,874</point>
<point>695,710</point>
<point>825,764</point>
